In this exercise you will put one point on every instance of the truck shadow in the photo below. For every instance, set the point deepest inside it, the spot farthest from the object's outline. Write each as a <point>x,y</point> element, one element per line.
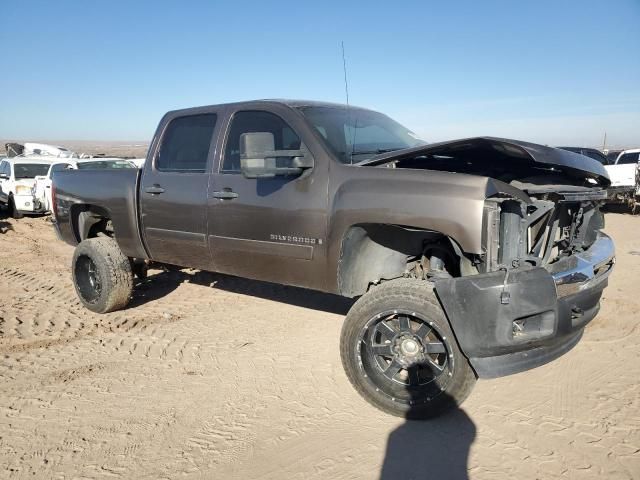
<point>4,226</point>
<point>433,449</point>
<point>163,283</point>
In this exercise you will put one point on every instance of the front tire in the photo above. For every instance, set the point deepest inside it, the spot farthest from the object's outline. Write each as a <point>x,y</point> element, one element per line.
<point>400,354</point>
<point>102,275</point>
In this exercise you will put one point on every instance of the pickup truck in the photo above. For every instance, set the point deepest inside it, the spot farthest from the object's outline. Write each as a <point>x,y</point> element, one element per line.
<point>623,173</point>
<point>472,258</point>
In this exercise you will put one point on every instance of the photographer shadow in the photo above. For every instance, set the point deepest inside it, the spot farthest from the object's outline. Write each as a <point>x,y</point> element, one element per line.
<point>436,449</point>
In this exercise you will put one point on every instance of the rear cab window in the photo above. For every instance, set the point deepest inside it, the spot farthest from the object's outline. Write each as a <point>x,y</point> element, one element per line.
<point>185,144</point>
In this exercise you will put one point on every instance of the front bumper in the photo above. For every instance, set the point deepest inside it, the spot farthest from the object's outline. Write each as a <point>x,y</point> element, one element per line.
<point>507,323</point>
<point>28,204</point>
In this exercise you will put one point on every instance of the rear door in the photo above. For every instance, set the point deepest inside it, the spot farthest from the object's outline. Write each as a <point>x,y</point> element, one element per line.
<point>173,190</point>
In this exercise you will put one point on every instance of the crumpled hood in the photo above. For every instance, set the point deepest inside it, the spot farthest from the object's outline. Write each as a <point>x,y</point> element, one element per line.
<point>503,150</point>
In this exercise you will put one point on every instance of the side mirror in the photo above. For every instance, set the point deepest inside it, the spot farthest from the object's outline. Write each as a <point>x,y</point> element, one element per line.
<point>259,159</point>
<point>4,176</point>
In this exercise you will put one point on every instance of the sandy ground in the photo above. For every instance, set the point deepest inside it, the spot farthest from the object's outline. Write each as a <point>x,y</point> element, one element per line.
<point>208,376</point>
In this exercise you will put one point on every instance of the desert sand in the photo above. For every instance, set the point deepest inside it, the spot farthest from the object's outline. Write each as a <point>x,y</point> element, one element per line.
<point>210,376</point>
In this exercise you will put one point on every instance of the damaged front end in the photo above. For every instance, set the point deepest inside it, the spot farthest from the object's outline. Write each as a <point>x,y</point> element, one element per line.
<point>545,266</point>
<point>544,262</point>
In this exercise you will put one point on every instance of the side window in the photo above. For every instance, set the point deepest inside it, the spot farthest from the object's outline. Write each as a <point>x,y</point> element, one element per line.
<point>601,158</point>
<point>2,167</point>
<point>59,167</point>
<point>255,121</point>
<point>185,144</point>
<point>629,158</point>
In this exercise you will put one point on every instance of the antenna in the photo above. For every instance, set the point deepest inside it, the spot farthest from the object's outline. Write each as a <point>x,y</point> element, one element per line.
<point>344,67</point>
<point>346,91</point>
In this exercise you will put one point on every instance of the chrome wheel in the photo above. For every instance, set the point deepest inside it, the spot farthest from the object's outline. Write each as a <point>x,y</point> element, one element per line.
<point>88,279</point>
<point>405,356</point>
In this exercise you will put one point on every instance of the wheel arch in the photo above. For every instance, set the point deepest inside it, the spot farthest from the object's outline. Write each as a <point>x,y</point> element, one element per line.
<point>373,252</point>
<point>88,220</point>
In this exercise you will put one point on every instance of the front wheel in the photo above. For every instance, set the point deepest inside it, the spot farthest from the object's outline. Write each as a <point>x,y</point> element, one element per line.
<point>400,354</point>
<point>102,275</point>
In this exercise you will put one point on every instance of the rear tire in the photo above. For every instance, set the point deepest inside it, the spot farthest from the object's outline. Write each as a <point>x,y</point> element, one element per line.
<point>400,327</point>
<point>102,275</point>
<point>13,210</point>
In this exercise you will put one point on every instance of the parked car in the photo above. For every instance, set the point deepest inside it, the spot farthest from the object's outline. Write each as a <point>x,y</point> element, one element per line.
<point>42,187</point>
<point>624,178</point>
<point>589,152</point>
<point>471,258</point>
<point>17,179</point>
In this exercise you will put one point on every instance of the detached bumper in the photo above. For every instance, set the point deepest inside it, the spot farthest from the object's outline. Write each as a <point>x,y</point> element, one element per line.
<point>28,204</point>
<point>510,323</point>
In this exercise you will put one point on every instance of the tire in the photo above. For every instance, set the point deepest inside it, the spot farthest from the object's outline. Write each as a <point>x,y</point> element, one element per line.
<point>102,275</point>
<point>13,210</point>
<point>403,319</point>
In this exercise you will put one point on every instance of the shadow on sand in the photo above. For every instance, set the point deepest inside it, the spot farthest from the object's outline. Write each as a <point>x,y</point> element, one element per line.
<point>163,283</point>
<point>416,450</point>
<point>435,449</point>
<point>4,226</point>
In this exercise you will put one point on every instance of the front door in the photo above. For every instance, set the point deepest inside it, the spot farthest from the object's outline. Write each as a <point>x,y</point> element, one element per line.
<point>268,228</point>
<point>173,190</point>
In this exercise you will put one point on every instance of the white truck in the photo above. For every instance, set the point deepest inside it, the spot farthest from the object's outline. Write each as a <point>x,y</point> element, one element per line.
<point>623,173</point>
<point>17,180</point>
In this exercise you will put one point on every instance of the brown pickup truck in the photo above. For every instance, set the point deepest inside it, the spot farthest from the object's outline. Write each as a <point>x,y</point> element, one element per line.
<point>472,258</point>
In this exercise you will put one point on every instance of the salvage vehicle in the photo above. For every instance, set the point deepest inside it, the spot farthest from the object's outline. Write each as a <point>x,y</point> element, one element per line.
<point>17,179</point>
<point>623,173</point>
<point>472,258</point>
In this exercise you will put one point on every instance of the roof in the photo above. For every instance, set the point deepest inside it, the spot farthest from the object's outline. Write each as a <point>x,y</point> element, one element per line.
<point>292,103</point>
<point>35,159</point>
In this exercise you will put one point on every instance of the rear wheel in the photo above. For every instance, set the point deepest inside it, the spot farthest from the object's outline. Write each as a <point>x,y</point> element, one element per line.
<point>400,354</point>
<point>102,275</point>
<point>12,208</point>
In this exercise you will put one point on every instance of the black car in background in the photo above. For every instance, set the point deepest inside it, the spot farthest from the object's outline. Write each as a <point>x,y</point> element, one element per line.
<point>591,153</point>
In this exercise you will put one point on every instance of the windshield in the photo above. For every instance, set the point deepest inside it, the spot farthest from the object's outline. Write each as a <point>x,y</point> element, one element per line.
<point>104,165</point>
<point>355,135</point>
<point>30,170</point>
<point>627,158</point>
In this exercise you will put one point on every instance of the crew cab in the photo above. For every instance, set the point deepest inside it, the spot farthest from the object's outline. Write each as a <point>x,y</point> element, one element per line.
<point>17,179</point>
<point>471,258</point>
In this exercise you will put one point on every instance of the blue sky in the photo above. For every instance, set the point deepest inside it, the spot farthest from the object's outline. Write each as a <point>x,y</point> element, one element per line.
<point>555,72</point>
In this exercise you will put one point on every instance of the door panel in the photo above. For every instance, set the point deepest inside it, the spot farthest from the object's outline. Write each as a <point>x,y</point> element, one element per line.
<point>173,191</point>
<point>274,228</point>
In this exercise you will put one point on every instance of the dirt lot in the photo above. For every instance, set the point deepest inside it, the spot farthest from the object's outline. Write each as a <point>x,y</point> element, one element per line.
<point>208,376</point>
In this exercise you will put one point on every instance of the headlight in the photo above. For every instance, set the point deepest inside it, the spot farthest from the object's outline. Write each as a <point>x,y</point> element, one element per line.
<point>23,190</point>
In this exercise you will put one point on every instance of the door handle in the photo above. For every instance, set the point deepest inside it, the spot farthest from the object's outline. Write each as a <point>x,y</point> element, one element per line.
<point>154,189</point>
<point>225,194</point>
